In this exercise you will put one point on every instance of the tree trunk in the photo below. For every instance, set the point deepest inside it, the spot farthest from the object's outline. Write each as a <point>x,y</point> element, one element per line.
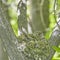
<point>39,14</point>
<point>3,54</point>
<point>7,35</point>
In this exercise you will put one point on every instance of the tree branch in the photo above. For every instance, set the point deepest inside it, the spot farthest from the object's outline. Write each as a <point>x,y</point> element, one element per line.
<point>7,35</point>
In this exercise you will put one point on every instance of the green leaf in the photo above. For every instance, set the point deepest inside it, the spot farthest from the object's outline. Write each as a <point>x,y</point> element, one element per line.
<point>56,48</point>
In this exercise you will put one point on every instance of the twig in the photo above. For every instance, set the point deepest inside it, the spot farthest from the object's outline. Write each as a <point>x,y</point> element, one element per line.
<point>55,13</point>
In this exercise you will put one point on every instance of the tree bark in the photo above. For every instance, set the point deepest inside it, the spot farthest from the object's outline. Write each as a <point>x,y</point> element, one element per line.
<point>39,15</point>
<point>7,35</point>
<point>3,54</point>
